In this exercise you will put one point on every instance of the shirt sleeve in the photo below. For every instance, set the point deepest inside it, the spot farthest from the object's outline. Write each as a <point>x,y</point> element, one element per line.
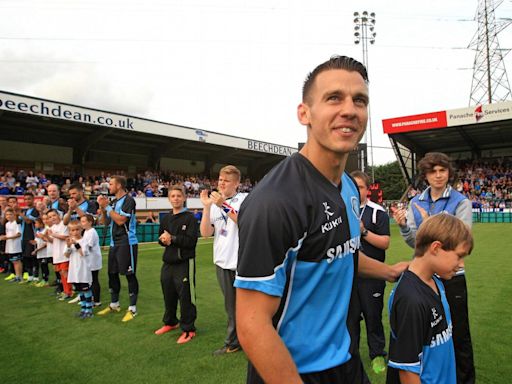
<point>128,207</point>
<point>408,332</point>
<point>409,232</point>
<point>464,212</point>
<point>382,225</point>
<point>271,231</point>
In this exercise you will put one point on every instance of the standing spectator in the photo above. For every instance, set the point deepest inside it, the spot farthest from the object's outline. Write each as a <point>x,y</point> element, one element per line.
<point>122,256</point>
<point>375,234</point>
<point>178,234</point>
<point>220,218</point>
<point>440,197</point>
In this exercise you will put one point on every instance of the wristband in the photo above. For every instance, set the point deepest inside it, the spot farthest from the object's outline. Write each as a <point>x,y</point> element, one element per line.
<point>77,246</point>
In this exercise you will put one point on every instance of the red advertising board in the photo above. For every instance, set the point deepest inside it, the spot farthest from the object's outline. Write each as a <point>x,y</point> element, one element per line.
<point>421,122</point>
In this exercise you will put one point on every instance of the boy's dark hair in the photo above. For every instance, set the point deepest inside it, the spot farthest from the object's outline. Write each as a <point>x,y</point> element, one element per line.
<point>335,62</point>
<point>445,228</point>
<point>52,210</point>
<point>28,193</point>
<point>431,159</point>
<point>361,175</point>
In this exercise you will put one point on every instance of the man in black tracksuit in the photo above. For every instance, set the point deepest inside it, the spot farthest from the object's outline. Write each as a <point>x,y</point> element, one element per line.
<point>178,234</point>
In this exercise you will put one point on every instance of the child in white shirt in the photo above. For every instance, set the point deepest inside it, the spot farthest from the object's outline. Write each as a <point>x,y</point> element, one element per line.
<point>79,272</point>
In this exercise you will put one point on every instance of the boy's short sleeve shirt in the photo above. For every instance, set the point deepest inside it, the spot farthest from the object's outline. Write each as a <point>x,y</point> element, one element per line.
<point>225,242</point>
<point>421,332</point>
<point>12,246</point>
<point>58,246</point>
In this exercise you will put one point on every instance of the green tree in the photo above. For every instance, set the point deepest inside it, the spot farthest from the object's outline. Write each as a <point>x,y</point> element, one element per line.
<point>391,180</point>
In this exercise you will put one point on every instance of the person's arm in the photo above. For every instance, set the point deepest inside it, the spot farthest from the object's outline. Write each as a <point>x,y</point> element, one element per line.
<point>379,235</point>
<point>409,229</point>
<point>407,377</point>
<point>378,241</point>
<point>375,269</point>
<point>260,340</point>
<point>164,237</point>
<point>206,226</point>
<point>186,239</point>
<point>464,211</point>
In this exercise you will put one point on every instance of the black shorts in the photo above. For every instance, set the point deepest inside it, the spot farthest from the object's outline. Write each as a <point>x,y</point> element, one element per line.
<point>14,256</point>
<point>122,259</point>
<point>352,372</point>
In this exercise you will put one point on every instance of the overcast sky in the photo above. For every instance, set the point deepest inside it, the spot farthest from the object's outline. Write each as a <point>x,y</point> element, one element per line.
<point>236,66</point>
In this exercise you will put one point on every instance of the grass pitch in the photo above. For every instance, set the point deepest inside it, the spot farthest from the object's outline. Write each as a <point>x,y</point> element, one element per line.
<point>42,342</point>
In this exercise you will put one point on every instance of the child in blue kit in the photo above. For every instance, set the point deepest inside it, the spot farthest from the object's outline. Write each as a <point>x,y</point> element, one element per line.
<point>421,346</point>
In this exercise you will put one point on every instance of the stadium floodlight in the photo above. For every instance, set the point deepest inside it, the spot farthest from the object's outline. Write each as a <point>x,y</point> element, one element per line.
<point>364,32</point>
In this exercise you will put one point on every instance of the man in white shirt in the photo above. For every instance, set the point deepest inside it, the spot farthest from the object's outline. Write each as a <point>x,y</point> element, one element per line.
<point>220,217</point>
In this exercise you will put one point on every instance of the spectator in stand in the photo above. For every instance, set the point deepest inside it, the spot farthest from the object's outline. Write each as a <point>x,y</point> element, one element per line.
<point>31,180</point>
<point>151,217</point>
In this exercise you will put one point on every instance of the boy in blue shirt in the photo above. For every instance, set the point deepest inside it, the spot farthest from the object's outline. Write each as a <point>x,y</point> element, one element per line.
<point>421,345</point>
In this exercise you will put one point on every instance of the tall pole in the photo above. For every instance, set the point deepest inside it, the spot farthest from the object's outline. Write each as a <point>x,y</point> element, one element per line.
<point>364,32</point>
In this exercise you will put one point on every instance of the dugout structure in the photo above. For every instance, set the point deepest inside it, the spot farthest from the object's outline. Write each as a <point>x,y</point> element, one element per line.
<point>480,132</point>
<point>49,136</point>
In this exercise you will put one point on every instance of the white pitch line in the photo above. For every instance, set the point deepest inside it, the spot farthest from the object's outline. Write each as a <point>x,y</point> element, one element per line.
<point>144,249</point>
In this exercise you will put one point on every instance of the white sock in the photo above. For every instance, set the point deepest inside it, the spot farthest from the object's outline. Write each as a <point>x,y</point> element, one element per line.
<point>132,308</point>
<point>115,305</point>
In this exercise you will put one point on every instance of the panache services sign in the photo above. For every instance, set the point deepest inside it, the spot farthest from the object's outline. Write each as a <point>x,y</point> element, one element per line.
<point>450,118</point>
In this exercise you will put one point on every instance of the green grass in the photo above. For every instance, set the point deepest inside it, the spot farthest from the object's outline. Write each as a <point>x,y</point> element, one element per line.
<point>42,342</point>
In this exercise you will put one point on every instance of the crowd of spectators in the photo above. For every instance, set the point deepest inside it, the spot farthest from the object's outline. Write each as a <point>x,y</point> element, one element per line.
<point>147,184</point>
<point>488,184</point>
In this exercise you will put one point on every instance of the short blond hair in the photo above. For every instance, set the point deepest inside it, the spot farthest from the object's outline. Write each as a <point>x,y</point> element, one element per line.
<point>445,228</point>
<point>231,170</point>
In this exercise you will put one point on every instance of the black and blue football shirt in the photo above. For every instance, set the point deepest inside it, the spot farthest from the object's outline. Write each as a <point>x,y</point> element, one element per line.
<point>299,237</point>
<point>421,332</point>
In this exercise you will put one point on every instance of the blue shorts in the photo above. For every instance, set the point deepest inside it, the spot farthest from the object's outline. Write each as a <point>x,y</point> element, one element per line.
<point>14,257</point>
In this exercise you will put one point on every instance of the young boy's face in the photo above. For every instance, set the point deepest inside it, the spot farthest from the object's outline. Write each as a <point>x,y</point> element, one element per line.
<point>85,223</point>
<point>438,177</point>
<point>177,199</point>
<point>9,216</point>
<point>53,218</point>
<point>75,231</point>
<point>447,263</point>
